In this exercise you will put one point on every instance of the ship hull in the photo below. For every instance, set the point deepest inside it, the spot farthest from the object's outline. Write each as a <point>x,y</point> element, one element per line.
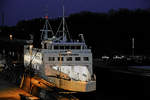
<point>75,86</point>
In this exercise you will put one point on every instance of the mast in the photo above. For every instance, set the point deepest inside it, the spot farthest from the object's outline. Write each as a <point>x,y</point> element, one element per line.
<point>64,34</point>
<point>63,22</point>
<point>47,28</point>
<point>63,29</point>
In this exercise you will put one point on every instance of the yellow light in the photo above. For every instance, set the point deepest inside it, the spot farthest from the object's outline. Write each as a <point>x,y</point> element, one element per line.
<point>10,36</point>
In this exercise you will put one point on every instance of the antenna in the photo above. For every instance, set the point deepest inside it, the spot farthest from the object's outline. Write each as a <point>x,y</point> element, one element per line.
<point>63,21</point>
<point>64,35</point>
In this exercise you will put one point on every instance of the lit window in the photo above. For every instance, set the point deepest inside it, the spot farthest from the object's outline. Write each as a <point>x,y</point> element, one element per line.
<point>77,58</point>
<point>69,58</point>
<point>85,58</point>
<point>51,58</point>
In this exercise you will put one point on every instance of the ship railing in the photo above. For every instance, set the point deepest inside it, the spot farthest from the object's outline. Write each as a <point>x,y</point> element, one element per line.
<point>73,51</point>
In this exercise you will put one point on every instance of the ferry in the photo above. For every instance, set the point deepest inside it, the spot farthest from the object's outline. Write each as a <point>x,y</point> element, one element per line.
<point>65,63</point>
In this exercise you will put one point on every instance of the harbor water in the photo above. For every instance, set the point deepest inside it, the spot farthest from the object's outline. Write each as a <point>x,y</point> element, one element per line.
<point>115,85</point>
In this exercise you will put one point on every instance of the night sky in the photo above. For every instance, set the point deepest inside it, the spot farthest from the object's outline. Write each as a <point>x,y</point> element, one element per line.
<point>16,10</point>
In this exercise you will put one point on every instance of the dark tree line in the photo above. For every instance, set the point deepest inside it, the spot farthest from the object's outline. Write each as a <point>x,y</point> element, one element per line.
<point>107,33</point>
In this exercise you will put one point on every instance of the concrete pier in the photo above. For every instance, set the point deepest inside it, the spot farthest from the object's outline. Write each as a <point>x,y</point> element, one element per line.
<point>9,91</point>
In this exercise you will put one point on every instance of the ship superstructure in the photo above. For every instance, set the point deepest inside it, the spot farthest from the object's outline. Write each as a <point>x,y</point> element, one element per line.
<point>65,63</point>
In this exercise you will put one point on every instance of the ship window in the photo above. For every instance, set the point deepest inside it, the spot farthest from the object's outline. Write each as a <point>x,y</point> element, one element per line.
<point>69,58</point>
<point>61,47</point>
<point>67,47</point>
<point>55,47</point>
<point>72,47</point>
<point>51,58</point>
<point>62,58</point>
<point>85,58</point>
<point>77,58</point>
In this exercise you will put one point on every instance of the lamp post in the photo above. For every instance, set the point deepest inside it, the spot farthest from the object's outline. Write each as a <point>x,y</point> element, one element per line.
<point>132,39</point>
<point>133,46</point>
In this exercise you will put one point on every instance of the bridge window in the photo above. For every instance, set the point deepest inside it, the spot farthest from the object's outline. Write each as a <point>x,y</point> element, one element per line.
<point>56,47</point>
<point>51,58</point>
<point>86,58</point>
<point>62,47</point>
<point>72,47</point>
<point>62,58</point>
<point>67,47</point>
<point>69,58</point>
<point>77,58</point>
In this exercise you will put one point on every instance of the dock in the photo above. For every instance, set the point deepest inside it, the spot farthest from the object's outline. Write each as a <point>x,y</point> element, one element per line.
<point>10,91</point>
